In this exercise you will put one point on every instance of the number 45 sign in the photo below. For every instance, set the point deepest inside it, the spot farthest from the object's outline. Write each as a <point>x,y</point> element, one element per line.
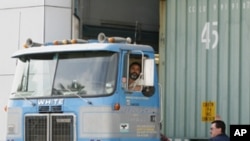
<point>209,35</point>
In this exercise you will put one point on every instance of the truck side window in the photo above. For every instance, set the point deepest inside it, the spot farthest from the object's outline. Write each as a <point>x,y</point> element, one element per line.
<point>135,76</point>
<point>132,76</point>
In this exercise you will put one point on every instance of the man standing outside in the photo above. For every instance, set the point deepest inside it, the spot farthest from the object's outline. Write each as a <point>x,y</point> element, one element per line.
<point>217,131</point>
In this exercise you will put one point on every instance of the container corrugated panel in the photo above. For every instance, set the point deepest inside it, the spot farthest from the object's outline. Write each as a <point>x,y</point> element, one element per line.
<point>206,59</point>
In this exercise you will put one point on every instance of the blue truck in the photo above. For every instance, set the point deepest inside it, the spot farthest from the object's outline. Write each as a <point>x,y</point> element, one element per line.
<point>78,90</point>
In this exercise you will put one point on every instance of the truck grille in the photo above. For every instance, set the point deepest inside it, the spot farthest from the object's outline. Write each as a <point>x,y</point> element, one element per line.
<point>36,128</point>
<point>49,127</point>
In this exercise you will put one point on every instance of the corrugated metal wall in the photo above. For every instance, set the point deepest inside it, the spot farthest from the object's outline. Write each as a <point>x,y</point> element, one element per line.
<point>206,59</point>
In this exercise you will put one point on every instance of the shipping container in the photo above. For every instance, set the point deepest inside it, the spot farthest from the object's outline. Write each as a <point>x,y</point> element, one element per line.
<point>204,65</point>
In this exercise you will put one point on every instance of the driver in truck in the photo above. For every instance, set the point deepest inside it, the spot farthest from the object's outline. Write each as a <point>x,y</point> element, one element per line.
<point>134,76</point>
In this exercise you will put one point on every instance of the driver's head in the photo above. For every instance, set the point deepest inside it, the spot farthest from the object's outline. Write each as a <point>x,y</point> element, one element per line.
<point>134,70</point>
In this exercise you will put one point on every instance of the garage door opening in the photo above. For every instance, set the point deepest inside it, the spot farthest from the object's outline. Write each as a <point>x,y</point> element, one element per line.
<point>138,19</point>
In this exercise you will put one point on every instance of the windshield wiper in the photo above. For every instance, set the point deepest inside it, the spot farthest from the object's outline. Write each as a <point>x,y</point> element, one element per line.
<point>32,103</point>
<point>80,91</point>
<point>83,99</point>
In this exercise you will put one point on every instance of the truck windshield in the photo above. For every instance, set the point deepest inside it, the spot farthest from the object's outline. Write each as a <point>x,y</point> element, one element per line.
<point>66,74</point>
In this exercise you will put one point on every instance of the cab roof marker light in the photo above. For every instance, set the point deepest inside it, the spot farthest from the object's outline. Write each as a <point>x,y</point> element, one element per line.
<point>30,43</point>
<point>56,42</point>
<point>25,46</point>
<point>61,42</point>
<point>65,42</point>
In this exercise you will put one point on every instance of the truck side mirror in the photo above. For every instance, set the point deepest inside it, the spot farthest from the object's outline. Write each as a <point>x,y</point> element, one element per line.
<point>148,72</point>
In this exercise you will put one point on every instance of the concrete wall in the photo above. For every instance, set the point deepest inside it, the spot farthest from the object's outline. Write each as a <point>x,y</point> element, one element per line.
<point>41,20</point>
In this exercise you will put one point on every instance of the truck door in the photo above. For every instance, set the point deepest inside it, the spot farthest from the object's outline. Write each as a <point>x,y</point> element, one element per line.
<point>133,79</point>
<point>140,99</point>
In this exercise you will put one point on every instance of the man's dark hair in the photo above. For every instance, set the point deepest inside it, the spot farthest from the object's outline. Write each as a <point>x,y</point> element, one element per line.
<point>220,124</point>
<point>135,63</point>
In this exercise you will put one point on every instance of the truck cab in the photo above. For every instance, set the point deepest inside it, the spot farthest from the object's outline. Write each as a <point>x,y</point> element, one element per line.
<point>79,90</point>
